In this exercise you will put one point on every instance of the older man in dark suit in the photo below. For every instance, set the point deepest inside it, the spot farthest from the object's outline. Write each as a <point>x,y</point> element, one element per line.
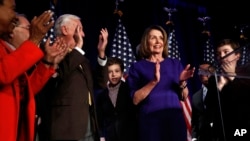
<point>73,115</point>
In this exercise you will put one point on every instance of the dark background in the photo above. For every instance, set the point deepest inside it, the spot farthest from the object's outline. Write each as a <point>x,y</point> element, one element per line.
<point>227,18</point>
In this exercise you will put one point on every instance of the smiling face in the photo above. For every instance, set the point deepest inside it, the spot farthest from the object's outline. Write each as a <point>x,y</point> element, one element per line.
<point>7,16</point>
<point>114,74</point>
<point>20,32</point>
<point>115,68</point>
<point>155,42</point>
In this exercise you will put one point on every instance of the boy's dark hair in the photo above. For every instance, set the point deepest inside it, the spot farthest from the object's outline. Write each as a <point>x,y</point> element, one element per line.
<point>206,62</point>
<point>233,43</point>
<point>115,60</point>
<point>1,2</point>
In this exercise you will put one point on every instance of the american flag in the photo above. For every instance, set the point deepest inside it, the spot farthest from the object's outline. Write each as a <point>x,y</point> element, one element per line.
<point>244,59</point>
<point>121,47</point>
<point>50,34</point>
<point>208,50</point>
<point>173,52</point>
<point>245,55</point>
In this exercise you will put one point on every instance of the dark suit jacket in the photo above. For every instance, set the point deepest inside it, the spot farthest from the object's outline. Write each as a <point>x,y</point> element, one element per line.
<point>229,108</point>
<point>200,122</point>
<point>70,105</point>
<point>117,123</point>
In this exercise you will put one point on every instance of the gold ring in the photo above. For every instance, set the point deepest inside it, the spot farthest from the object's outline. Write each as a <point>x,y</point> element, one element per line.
<point>45,24</point>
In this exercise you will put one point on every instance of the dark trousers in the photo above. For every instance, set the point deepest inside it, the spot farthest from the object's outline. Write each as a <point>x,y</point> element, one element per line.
<point>88,136</point>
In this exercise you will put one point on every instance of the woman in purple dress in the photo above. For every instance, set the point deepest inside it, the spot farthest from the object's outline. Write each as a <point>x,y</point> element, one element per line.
<point>157,85</point>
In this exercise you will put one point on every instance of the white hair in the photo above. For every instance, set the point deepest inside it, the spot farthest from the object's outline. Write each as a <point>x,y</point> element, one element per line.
<point>63,20</point>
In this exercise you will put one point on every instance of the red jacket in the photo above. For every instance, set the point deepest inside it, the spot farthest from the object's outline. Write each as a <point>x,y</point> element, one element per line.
<point>12,65</point>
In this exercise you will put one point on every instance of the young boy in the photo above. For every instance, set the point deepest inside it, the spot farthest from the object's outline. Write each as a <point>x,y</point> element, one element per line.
<point>116,112</point>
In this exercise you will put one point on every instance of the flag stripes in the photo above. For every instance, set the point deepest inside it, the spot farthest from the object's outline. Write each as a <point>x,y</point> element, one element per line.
<point>173,52</point>
<point>187,110</point>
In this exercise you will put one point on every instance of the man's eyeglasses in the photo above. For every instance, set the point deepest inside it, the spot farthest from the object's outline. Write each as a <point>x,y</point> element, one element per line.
<point>204,72</point>
<point>23,26</point>
<point>207,72</point>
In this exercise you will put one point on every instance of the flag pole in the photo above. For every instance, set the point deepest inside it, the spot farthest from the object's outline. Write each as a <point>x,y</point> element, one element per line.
<point>173,52</point>
<point>117,10</point>
<point>121,46</point>
<point>208,51</point>
<point>170,11</point>
<point>204,21</point>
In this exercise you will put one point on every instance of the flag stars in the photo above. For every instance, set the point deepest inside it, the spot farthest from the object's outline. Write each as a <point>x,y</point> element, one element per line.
<point>51,33</point>
<point>208,51</point>
<point>121,46</point>
<point>173,46</point>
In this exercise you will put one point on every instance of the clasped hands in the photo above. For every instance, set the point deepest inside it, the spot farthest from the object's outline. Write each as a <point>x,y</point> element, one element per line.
<point>55,53</point>
<point>187,73</point>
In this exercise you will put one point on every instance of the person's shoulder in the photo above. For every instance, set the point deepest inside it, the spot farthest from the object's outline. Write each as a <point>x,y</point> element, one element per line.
<point>243,69</point>
<point>100,93</point>
<point>140,62</point>
<point>124,84</point>
<point>197,92</point>
<point>174,60</point>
